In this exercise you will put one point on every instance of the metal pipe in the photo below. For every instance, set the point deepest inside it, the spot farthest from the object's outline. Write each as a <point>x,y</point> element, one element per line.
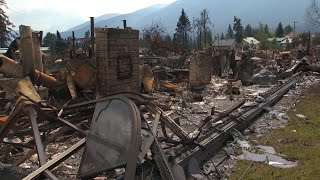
<point>92,36</point>
<point>124,23</point>
<point>74,45</point>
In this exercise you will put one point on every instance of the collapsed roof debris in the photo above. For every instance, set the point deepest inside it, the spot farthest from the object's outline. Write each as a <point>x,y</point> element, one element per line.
<point>118,115</point>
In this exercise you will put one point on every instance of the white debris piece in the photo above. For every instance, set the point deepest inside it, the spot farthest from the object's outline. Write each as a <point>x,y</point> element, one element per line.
<point>301,116</point>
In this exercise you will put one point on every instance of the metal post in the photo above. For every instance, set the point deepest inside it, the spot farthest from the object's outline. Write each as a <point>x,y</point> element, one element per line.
<point>124,23</point>
<point>74,45</point>
<point>92,36</point>
<point>294,29</point>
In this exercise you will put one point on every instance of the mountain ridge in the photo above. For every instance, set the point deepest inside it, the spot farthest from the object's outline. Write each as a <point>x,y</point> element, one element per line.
<point>221,13</point>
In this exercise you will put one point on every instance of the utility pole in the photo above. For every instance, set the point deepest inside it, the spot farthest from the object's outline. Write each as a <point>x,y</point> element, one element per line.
<point>74,45</point>
<point>92,37</point>
<point>294,29</point>
<point>294,33</point>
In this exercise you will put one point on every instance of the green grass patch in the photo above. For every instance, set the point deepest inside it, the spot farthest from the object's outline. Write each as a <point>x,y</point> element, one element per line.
<point>299,140</point>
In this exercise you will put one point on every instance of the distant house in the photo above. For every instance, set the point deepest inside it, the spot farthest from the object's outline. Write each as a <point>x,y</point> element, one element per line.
<point>252,42</point>
<point>3,50</point>
<point>43,49</point>
<point>224,44</point>
<point>286,41</point>
<point>281,41</point>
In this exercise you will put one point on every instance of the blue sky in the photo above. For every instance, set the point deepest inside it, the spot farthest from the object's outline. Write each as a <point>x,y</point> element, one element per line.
<point>49,15</point>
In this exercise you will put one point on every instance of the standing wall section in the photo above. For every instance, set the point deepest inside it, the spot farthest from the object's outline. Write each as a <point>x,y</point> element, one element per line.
<point>117,57</point>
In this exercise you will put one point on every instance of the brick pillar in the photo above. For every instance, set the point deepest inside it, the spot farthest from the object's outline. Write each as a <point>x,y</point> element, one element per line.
<point>117,57</point>
<point>200,68</point>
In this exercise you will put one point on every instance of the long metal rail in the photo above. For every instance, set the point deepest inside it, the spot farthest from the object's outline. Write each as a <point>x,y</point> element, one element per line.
<point>214,140</point>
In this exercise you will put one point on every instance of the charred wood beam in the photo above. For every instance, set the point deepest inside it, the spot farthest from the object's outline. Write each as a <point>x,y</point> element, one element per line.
<point>14,69</point>
<point>39,144</point>
<point>221,116</point>
<point>10,123</point>
<point>56,161</point>
<point>51,125</point>
<point>49,139</point>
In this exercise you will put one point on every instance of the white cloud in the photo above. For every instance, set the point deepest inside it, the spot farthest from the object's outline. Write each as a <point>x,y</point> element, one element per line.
<point>82,8</point>
<point>63,14</point>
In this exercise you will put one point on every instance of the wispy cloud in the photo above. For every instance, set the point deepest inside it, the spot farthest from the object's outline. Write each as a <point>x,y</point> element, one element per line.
<point>47,14</point>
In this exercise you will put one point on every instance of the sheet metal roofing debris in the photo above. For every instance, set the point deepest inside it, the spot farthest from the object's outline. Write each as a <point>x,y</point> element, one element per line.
<point>271,159</point>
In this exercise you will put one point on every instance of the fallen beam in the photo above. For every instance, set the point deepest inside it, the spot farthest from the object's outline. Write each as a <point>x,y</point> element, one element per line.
<point>54,162</point>
<point>223,115</point>
<point>14,69</point>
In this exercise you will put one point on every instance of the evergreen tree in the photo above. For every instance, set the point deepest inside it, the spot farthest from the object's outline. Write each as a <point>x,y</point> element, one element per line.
<point>6,32</point>
<point>222,36</point>
<point>255,31</point>
<point>262,36</point>
<point>208,37</point>
<point>86,43</point>
<point>266,28</point>
<point>279,31</point>
<point>230,34</point>
<point>238,29</point>
<point>182,31</point>
<point>50,41</point>
<point>61,45</point>
<point>168,41</point>
<point>288,29</point>
<point>248,31</point>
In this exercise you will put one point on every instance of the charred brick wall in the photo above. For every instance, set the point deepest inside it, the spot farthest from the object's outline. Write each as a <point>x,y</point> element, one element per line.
<point>117,57</point>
